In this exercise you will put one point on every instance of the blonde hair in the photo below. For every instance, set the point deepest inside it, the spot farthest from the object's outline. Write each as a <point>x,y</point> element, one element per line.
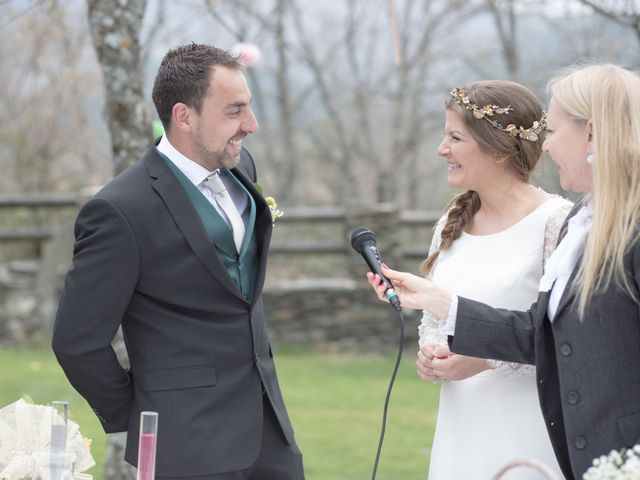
<point>608,96</point>
<point>521,155</point>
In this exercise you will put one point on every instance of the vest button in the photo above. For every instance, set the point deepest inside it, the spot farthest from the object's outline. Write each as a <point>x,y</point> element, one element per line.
<point>565,350</point>
<point>580,443</point>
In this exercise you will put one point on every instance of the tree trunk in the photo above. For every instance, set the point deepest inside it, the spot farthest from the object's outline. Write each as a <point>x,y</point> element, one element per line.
<point>287,128</point>
<point>115,31</point>
<point>507,33</point>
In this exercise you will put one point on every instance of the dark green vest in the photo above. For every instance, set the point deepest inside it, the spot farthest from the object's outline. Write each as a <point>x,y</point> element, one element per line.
<point>241,267</point>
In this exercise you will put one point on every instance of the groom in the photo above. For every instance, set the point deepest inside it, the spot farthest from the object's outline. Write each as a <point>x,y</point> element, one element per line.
<point>174,249</point>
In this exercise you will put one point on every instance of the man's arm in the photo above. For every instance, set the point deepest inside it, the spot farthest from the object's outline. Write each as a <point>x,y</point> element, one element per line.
<point>96,294</point>
<point>486,332</point>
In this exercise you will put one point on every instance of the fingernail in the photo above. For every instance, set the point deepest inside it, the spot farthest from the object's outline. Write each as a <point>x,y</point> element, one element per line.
<point>385,265</point>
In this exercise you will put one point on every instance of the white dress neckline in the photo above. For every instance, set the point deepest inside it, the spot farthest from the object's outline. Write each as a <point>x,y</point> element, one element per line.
<point>541,209</point>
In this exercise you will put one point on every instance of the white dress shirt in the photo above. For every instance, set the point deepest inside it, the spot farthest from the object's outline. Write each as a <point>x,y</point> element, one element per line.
<point>197,175</point>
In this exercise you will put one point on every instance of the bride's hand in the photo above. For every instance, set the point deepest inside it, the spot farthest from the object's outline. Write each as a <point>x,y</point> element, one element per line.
<point>424,363</point>
<point>452,366</point>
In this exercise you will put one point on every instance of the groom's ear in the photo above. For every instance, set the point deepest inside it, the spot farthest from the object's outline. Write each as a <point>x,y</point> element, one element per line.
<point>182,117</point>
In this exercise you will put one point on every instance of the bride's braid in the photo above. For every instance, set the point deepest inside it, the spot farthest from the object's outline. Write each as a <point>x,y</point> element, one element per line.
<point>460,211</point>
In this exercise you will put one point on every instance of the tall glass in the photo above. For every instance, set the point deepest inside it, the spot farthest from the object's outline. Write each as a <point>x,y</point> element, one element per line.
<point>59,419</point>
<point>147,445</point>
<point>52,466</point>
<point>58,443</point>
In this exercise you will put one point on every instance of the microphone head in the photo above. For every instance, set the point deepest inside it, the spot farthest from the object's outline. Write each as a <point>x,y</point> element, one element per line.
<point>360,236</point>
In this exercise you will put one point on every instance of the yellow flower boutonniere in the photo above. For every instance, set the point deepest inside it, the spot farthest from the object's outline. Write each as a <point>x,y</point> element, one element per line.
<point>271,203</point>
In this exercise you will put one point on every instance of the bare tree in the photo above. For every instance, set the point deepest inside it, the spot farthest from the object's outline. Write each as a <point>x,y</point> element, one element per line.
<point>505,19</point>
<point>623,12</point>
<point>115,30</point>
<point>351,115</point>
<point>246,21</point>
<point>290,149</point>
<point>47,139</point>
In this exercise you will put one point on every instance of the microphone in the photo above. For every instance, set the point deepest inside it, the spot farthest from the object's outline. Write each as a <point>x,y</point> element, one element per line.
<point>363,241</point>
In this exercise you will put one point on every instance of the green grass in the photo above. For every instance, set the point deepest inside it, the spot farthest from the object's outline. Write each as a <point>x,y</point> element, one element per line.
<point>335,402</point>
<point>36,374</point>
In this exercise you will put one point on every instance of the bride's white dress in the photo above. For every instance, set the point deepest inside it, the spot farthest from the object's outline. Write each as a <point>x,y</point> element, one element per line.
<point>493,418</point>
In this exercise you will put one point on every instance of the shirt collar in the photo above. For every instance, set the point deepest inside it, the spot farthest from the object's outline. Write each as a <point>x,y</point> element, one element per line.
<point>195,172</point>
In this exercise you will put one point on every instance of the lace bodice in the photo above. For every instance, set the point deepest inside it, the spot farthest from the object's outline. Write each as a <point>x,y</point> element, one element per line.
<point>537,234</point>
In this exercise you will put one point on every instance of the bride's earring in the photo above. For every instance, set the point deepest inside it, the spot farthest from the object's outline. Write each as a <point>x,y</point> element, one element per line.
<point>590,159</point>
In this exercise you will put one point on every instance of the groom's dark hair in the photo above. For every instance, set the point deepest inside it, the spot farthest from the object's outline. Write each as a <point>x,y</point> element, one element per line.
<point>184,76</point>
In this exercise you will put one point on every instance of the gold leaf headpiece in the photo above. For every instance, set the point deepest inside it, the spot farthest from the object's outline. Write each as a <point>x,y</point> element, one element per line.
<point>487,111</point>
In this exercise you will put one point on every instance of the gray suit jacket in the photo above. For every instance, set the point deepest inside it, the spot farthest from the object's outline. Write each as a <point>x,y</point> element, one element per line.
<point>199,351</point>
<point>588,372</point>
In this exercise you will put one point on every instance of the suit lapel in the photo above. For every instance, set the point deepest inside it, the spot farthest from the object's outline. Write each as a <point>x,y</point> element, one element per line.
<point>262,230</point>
<point>184,214</point>
<point>541,308</point>
<point>569,291</point>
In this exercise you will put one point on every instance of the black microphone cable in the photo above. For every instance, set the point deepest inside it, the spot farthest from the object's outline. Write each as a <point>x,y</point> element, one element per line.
<point>398,309</point>
<point>363,241</point>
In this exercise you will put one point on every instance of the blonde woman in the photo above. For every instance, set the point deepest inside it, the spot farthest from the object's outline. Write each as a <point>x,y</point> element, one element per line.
<point>583,333</point>
<point>489,246</point>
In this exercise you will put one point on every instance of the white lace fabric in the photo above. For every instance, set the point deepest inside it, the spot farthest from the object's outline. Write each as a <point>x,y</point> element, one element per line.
<point>428,329</point>
<point>25,429</point>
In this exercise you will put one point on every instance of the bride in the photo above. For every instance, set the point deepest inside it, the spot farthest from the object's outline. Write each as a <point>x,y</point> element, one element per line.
<point>490,246</point>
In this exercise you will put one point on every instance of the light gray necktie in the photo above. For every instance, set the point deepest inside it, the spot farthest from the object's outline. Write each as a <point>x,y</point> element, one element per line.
<point>225,202</point>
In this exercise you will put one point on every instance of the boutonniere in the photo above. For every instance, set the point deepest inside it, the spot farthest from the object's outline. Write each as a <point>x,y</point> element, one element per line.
<point>271,203</point>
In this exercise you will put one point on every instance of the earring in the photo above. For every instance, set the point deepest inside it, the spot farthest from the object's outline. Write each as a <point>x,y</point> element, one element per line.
<point>590,159</point>
<point>500,162</point>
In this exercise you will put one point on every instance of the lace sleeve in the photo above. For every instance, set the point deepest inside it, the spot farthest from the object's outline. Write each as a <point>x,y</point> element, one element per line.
<point>552,229</point>
<point>428,331</point>
<point>551,232</point>
<point>511,369</point>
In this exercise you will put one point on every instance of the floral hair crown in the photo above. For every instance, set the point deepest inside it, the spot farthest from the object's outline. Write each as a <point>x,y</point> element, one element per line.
<point>487,111</point>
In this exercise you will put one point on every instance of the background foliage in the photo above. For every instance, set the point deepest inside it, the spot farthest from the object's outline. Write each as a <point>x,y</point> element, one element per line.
<point>343,121</point>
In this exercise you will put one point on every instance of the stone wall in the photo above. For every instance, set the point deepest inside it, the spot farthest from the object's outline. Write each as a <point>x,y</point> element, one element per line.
<point>19,319</point>
<point>334,314</point>
<point>307,309</point>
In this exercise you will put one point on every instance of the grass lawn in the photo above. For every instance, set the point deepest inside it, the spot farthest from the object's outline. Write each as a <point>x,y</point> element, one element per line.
<point>335,402</point>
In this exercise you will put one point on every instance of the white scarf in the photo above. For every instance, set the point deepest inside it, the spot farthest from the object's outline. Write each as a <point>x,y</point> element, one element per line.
<point>564,259</point>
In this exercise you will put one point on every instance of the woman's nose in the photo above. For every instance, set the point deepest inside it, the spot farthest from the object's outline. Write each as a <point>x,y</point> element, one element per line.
<point>443,148</point>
